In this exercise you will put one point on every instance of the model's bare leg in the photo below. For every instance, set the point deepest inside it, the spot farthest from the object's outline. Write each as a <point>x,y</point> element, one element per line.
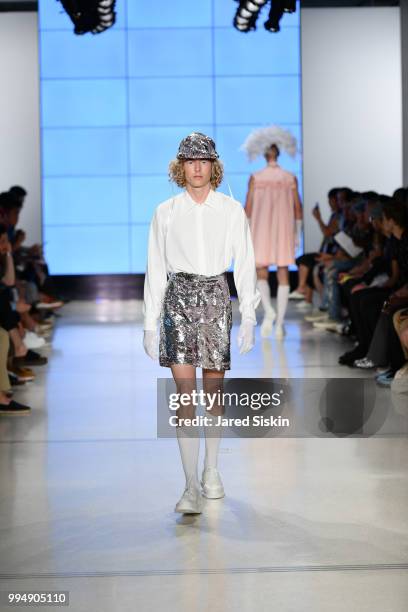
<point>28,322</point>
<point>187,436</point>
<point>309,295</point>
<point>264,290</point>
<point>317,282</point>
<point>282,298</point>
<point>20,349</point>
<point>303,272</point>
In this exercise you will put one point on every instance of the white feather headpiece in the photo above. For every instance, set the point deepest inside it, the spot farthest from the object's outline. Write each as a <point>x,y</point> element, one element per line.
<point>260,140</point>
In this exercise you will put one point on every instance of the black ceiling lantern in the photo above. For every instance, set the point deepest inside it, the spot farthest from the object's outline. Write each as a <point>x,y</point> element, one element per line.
<point>248,11</point>
<point>93,16</point>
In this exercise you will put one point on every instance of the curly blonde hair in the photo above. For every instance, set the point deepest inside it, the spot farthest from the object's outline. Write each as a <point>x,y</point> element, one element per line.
<point>177,175</point>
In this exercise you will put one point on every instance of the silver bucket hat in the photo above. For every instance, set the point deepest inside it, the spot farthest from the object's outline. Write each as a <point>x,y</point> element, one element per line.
<point>197,146</point>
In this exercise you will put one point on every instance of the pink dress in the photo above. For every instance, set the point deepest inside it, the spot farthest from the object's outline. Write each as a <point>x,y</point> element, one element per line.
<point>272,220</point>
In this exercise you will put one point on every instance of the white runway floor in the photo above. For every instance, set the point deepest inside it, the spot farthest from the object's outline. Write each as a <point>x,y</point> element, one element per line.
<point>87,491</point>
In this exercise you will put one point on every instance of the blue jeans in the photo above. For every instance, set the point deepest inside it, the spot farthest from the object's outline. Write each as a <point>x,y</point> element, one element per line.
<point>331,284</point>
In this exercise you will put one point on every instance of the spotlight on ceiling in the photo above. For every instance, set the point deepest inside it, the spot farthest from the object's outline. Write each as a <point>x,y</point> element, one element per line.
<point>248,11</point>
<point>93,16</point>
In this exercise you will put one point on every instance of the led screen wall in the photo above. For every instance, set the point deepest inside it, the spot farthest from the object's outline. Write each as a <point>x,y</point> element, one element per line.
<point>114,107</point>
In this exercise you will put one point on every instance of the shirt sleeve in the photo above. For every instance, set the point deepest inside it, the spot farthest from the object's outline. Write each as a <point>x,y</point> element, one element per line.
<point>245,277</point>
<point>156,275</point>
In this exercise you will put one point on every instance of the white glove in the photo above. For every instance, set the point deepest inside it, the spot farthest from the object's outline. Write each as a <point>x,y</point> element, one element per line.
<point>150,343</point>
<point>246,336</point>
<point>298,233</point>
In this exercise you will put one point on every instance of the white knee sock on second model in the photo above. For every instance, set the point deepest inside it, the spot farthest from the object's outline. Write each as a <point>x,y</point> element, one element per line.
<point>189,451</point>
<point>212,442</point>
<point>282,300</point>
<point>266,300</point>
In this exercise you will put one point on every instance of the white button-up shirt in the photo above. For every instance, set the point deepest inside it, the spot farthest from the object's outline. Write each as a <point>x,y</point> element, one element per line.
<point>201,239</point>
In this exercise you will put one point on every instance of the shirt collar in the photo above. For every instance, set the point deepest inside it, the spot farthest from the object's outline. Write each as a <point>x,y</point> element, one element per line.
<point>211,200</point>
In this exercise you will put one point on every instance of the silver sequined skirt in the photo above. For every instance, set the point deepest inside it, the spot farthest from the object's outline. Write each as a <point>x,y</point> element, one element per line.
<point>196,321</point>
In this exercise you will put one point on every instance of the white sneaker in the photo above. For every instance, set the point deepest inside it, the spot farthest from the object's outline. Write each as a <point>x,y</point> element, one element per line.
<point>280,331</point>
<point>317,316</point>
<point>212,484</point>
<point>381,370</point>
<point>303,305</point>
<point>267,324</point>
<point>364,364</point>
<point>190,502</point>
<point>49,305</point>
<point>327,324</point>
<point>42,328</point>
<point>296,295</point>
<point>32,341</point>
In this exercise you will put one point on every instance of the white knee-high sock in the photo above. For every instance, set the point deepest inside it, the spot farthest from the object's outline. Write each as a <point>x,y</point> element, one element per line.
<point>282,300</point>
<point>189,450</point>
<point>213,435</point>
<point>265,292</point>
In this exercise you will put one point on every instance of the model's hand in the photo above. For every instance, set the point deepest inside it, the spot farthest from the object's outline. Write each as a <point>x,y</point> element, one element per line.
<point>246,337</point>
<point>150,343</point>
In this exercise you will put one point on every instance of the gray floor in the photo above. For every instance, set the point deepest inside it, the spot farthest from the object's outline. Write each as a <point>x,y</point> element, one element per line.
<point>87,491</point>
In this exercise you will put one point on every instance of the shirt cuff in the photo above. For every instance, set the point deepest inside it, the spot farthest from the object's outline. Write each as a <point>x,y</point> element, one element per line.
<point>150,324</point>
<point>248,308</point>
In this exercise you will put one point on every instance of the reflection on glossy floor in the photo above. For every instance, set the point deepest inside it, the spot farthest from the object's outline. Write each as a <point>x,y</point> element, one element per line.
<point>87,491</point>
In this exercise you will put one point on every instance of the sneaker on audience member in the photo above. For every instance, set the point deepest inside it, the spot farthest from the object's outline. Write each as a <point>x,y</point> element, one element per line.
<point>44,328</point>
<point>385,380</point>
<point>14,380</point>
<point>364,364</point>
<point>350,357</point>
<point>383,371</point>
<point>296,295</point>
<point>22,374</point>
<point>327,324</point>
<point>317,316</point>
<point>303,305</point>
<point>33,341</point>
<point>30,359</point>
<point>49,305</point>
<point>14,408</point>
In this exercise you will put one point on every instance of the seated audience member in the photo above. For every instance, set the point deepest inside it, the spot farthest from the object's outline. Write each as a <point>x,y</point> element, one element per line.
<point>7,404</point>
<point>385,347</point>
<point>308,261</point>
<point>334,266</point>
<point>9,317</point>
<point>25,303</point>
<point>31,267</point>
<point>365,287</point>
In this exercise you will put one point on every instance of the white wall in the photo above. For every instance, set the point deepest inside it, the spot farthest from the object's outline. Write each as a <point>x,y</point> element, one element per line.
<point>19,115</point>
<point>352,104</point>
